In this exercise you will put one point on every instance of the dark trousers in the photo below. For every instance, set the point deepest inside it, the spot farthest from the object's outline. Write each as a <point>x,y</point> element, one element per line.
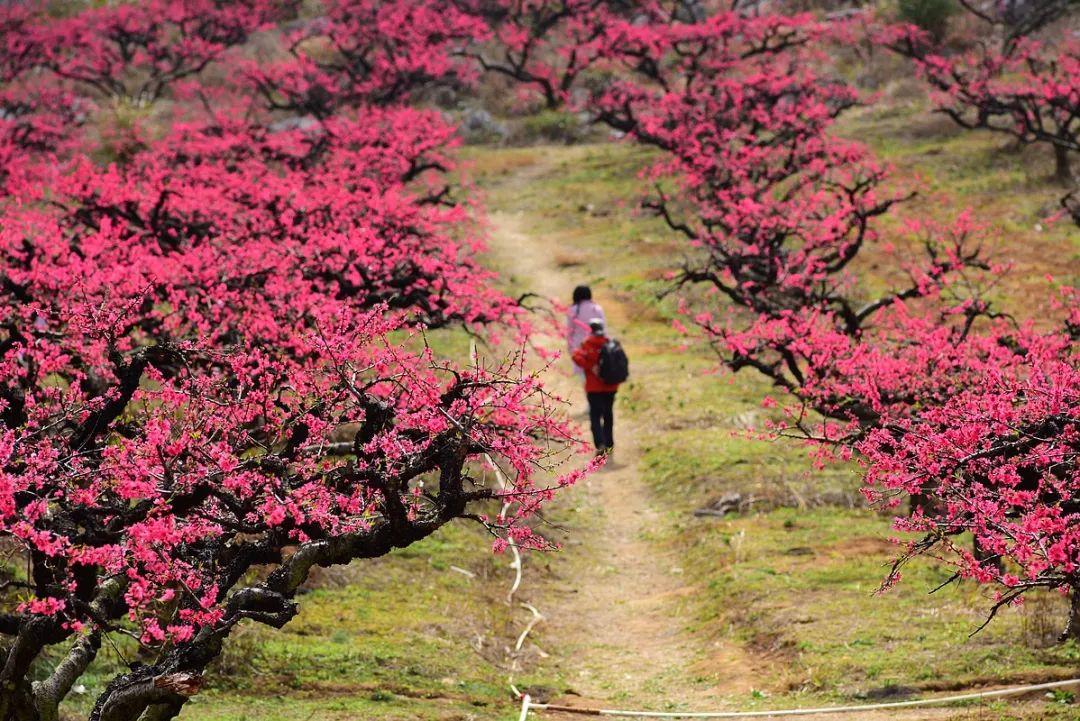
<point>602,419</point>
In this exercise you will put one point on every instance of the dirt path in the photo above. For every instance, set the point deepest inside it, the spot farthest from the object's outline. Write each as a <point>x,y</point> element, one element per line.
<point>618,619</point>
<point>616,623</point>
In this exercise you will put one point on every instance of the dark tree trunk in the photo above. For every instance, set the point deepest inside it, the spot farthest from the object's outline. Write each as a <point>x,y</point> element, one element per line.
<point>1072,628</point>
<point>165,711</point>
<point>17,702</point>
<point>1062,166</point>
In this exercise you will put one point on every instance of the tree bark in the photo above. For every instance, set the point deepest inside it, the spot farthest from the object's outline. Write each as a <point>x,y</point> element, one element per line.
<point>1072,628</point>
<point>16,693</point>
<point>49,693</point>
<point>164,711</point>
<point>1062,166</point>
<point>17,701</point>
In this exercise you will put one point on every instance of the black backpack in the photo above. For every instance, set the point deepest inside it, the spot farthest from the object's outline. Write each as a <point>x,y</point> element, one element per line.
<point>613,366</point>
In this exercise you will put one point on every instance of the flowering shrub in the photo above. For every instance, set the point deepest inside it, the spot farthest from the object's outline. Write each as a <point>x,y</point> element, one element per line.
<point>210,352</point>
<point>543,45</point>
<point>999,459</point>
<point>942,398</point>
<point>774,208</point>
<point>367,51</point>
<point>135,51</point>
<point>1024,87</point>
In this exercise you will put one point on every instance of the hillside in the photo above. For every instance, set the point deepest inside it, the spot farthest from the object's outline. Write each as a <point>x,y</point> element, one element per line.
<point>288,430</point>
<point>648,606</point>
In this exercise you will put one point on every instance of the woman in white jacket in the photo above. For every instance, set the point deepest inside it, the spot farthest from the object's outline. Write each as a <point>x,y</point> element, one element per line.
<point>577,320</point>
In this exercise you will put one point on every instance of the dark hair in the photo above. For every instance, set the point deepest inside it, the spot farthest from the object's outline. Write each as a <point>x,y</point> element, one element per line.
<point>582,292</point>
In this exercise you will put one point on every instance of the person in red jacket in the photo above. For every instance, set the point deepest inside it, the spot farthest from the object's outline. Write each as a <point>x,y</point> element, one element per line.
<point>601,395</point>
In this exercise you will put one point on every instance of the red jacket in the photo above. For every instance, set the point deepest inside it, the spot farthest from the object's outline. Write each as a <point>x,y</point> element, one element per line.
<point>587,356</point>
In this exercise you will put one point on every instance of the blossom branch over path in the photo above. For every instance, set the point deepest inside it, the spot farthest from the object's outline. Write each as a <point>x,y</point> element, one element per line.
<point>943,397</point>
<point>211,348</point>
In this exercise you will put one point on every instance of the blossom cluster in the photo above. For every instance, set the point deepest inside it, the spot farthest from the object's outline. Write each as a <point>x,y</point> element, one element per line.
<point>941,395</point>
<point>212,354</point>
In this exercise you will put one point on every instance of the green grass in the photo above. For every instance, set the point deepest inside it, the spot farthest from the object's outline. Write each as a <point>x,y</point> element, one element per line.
<point>795,581</point>
<point>1008,189</point>
<point>798,583</point>
<point>407,636</point>
<point>403,637</point>
<point>792,580</point>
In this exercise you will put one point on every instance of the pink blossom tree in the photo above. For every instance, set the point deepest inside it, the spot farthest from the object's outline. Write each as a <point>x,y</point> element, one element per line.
<point>943,399</point>
<point>367,52</point>
<point>201,378</point>
<point>543,45</point>
<point>1000,459</point>
<point>776,211</point>
<point>136,51</point>
<point>1023,86</point>
<point>212,362</point>
<point>21,48</point>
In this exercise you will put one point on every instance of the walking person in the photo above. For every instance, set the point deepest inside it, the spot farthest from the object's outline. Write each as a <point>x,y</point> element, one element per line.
<point>578,316</point>
<point>605,366</point>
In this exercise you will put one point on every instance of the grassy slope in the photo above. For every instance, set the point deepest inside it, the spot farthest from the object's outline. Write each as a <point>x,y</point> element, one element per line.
<point>416,635</point>
<point>795,583</point>
<point>404,637</point>
<point>395,639</point>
